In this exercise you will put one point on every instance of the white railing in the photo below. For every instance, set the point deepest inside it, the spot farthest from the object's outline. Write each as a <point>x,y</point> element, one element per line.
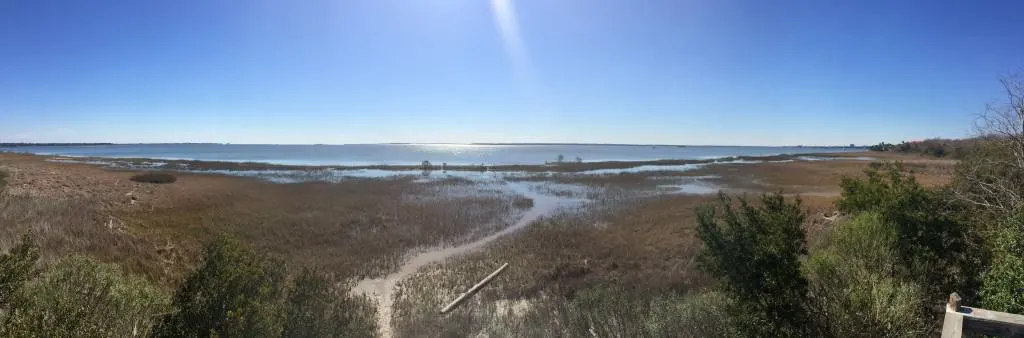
<point>961,320</point>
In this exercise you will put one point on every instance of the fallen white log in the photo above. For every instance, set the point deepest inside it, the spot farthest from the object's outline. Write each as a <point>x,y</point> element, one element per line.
<point>473,289</point>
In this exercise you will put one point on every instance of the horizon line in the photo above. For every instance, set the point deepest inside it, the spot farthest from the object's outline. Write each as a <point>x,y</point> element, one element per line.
<point>429,143</point>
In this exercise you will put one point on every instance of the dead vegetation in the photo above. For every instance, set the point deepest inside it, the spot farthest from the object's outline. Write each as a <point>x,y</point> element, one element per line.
<point>64,227</point>
<point>647,247</point>
<point>357,228</point>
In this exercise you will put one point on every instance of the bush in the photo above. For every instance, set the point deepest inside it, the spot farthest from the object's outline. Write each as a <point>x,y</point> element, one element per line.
<point>238,293</point>
<point>81,298</point>
<point>852,280</point>
<point>935,247</point>
<point>234,293</point>
<point>1003,283</point>
<point>156,178</point>
<point>16,267</point>
<point>756,253</point>
<point>3,180</point>
<point>318,306</point>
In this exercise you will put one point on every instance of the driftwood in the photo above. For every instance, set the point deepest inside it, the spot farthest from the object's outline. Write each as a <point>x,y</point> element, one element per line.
<point>473,289</point>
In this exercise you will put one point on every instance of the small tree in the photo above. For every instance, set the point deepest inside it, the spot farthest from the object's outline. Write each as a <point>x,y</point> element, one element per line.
<point>561,158</point>
<point>992,177</point>
<point>755,251</point>
<point>234,293</point>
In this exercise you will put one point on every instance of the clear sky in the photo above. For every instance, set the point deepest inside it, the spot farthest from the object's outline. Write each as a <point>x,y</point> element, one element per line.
<point>625,71</point>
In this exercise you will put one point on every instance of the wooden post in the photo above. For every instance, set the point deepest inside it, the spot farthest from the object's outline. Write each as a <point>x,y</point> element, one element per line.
<point>953,322</point>
<point>954,302</point>
<point>474,289</point>
<point>960,319</point>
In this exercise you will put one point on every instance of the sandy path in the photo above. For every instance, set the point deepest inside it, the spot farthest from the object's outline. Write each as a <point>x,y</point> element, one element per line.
<point>382,289</point>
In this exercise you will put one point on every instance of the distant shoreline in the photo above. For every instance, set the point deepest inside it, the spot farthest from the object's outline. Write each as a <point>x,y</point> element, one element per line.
<point>17,144</point>
<point>564,167</point>
<point>77,144</point>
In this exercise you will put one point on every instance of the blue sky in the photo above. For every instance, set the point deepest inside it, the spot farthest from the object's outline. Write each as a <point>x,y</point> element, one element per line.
<point>638,71</point>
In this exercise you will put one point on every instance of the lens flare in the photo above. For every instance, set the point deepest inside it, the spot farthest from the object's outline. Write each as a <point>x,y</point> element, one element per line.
<point>508,25</point>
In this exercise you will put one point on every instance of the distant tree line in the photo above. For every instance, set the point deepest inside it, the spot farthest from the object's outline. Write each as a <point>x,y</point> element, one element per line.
<point>937,147</point>
<point>25,144</point>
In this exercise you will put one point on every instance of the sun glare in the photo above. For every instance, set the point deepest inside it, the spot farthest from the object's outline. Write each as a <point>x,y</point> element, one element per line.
<point>508,25</point>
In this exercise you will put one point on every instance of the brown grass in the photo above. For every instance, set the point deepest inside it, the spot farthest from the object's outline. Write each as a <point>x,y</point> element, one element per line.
<point>358,228</point>
<point>64,227</point>
<point>647,247</point>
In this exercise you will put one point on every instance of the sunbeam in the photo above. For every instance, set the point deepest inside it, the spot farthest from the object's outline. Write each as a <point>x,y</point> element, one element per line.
<point>508,25</point>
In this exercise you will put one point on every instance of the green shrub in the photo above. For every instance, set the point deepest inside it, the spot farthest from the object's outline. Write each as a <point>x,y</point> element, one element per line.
<point>238,293</point>
<point>234,293</point>
<point>3,180</point>
<point>16,267</point>
<point>755,251</point>
<point>1002,287</point>
<point>707,314</point>
<point>157,178</point>
<point>317,307</point>
<point>855,291</point>
<point>79,297</point>
<point>936,248</point>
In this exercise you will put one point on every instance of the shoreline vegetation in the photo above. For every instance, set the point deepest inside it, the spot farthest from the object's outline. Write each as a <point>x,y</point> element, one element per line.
<point>934,147</point>
<point>562,167</point>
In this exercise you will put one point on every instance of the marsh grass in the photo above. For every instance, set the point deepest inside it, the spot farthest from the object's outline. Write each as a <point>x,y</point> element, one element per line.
<point>62,227</point>
<point>642,248</point>
<point>155,178</point>
<point>357,228</point>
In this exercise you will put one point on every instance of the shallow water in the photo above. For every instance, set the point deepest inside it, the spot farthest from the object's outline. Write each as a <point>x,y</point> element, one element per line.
<point>382,289</point>
<point>412,154</point>
<point>696,187</point>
